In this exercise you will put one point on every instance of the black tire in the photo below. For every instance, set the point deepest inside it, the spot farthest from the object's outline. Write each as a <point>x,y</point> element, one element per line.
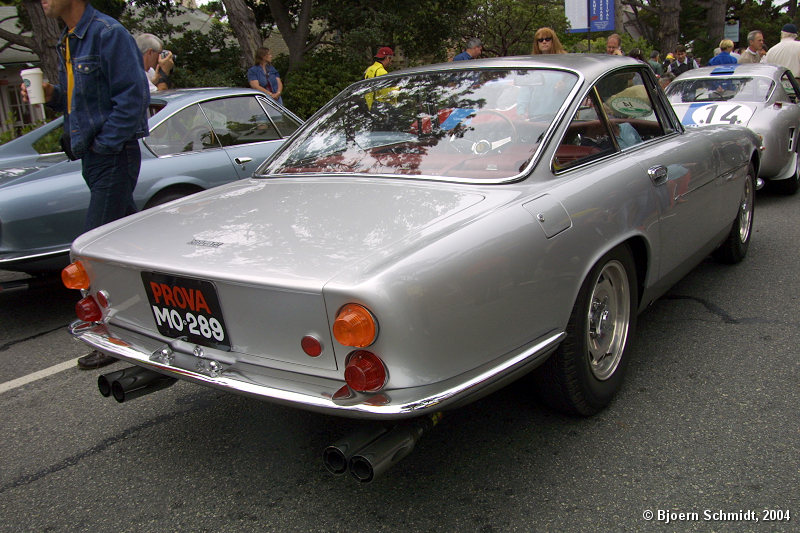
<point>170,194</point>
<point>734,249</point>
<point>574,380</point>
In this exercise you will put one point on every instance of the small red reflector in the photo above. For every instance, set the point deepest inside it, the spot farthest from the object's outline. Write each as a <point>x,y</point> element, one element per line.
<point>88,310</point>
<point>311,346</point>
<point>74,276</point>
<point>102,299</point>
<point>365,372</point>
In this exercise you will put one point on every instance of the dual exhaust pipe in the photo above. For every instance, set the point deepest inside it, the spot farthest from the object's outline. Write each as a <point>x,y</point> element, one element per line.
<point>366,453</point>
<point>132,382</point>
<point>369,452</point>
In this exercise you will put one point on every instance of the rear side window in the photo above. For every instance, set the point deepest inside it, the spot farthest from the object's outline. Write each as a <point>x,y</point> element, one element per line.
<point>240,120</point>
<point>618,113</point>
<point>285,124</point>
<point>629,108</point>
<point>587,136</point>
<point>185,131</point>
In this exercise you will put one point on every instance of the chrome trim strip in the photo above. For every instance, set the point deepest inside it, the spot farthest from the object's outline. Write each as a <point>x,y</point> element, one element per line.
<point>19,258</point>
<point>397,403</point>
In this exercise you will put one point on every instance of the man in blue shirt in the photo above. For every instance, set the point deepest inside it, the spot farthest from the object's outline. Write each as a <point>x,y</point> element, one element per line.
<point>104,95</point>
<point>474,49</point>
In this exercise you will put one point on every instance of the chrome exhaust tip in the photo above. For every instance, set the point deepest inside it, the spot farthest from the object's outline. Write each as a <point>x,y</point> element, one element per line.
<point>337,456</point>
<point>132,382</point>
<point>369,452</point>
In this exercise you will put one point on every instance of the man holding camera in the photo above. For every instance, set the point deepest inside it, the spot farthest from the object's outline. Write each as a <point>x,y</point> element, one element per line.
<point>103,93</point>
<point>158,63</point>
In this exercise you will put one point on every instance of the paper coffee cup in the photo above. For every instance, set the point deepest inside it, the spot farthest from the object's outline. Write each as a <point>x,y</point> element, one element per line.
<point>32,78</point>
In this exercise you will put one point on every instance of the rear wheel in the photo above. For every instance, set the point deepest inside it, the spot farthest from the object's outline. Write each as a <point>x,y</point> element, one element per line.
<point>734,249</point>
<point>587,369</point>
<point>170,194</point>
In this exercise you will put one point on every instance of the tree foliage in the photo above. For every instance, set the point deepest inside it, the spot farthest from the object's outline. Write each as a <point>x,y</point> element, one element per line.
<point>421,28</point>
<point>209,59</point>
<point>666,23</point>
<point>767,17</point>
<point>331,42</point>
<point>322,76</point>
<point>507,26</point>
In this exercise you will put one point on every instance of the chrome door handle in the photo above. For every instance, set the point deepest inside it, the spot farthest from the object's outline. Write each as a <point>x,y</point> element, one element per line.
<point>243,160</point>
<point>658,174</point>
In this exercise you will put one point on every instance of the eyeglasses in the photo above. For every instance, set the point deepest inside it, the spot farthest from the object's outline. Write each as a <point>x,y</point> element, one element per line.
<point>544,39</point>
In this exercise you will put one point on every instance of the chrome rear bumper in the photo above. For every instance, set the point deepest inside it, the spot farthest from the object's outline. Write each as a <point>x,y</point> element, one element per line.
<point>312,392</point>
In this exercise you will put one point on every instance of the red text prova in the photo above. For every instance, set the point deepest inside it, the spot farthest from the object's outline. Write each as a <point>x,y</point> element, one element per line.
<point>176,296</point>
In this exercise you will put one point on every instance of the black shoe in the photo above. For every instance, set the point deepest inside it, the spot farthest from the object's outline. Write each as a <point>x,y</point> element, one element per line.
<point>95,360</point>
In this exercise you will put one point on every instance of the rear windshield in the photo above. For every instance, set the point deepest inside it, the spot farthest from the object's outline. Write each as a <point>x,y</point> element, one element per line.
<point>750,89</point>
<point>478,124</point>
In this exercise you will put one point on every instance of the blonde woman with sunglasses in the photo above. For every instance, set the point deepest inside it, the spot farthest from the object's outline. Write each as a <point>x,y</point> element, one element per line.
<point>545,41</point>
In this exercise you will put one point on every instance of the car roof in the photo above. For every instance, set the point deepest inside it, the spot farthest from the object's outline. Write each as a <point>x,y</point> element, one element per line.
<point>737,70</point>
<point>182,97</point>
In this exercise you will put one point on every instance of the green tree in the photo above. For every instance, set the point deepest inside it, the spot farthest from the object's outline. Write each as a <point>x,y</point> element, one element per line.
<point>422,28</point>
<point>206,59</point>
<point>764,16</point>
<point>203,59</point>
<point>506,27</point>
<point>666,23</point>
<point>323,74</point>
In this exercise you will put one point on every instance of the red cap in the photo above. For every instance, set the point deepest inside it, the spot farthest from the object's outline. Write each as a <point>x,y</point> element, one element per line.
<point>383,52</point>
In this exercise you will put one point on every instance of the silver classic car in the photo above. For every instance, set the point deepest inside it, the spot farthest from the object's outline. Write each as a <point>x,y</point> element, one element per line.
<point>425,238</point>
<point>762,97</point>
<point>200,138</point>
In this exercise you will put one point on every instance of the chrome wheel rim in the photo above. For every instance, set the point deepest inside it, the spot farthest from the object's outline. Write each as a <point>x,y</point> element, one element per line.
<point>609,319</point>
<point>746,210</point>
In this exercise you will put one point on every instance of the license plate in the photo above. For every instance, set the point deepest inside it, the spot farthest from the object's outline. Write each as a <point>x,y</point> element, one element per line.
<point>186,308</point>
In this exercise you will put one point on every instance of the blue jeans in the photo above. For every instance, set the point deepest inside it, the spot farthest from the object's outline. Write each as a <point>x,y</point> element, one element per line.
<point>111,179</point>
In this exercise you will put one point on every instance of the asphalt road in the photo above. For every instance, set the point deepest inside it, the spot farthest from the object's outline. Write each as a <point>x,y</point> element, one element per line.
<point>707,425</point>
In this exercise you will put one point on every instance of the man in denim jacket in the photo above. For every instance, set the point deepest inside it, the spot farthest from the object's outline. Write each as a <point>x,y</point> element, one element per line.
<point>105,114</point>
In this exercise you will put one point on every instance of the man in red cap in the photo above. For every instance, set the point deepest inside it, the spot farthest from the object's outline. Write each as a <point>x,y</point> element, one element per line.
<point>382,60</point>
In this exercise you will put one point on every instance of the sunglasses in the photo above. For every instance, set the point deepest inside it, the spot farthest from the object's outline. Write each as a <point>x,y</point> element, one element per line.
<point>544,39</point>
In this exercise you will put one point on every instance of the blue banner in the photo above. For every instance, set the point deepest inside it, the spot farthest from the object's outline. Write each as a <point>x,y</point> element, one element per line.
<point>589,15</point>
<point>601,16</point>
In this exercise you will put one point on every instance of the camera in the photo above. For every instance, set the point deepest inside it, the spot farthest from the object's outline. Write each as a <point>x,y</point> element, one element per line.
<point>165,53</point>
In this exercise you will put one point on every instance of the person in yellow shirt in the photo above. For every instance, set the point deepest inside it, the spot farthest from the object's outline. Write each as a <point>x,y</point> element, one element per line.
<point>383,58</point>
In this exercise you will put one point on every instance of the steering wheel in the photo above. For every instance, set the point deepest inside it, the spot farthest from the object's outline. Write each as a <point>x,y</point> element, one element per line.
<point>487,137</point>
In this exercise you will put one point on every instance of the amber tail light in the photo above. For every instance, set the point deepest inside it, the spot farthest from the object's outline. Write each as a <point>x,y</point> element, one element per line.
<point>74,276</point>
<point>355,326</point>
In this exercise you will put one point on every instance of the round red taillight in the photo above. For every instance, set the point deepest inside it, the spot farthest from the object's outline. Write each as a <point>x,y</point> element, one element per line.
<point>88,310</point>
<point>355,326</point>
<point>311,345</point>
<point>365,372</point>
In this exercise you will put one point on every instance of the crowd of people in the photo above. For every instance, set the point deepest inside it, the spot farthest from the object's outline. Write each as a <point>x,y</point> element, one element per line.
<point>545,41</point>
